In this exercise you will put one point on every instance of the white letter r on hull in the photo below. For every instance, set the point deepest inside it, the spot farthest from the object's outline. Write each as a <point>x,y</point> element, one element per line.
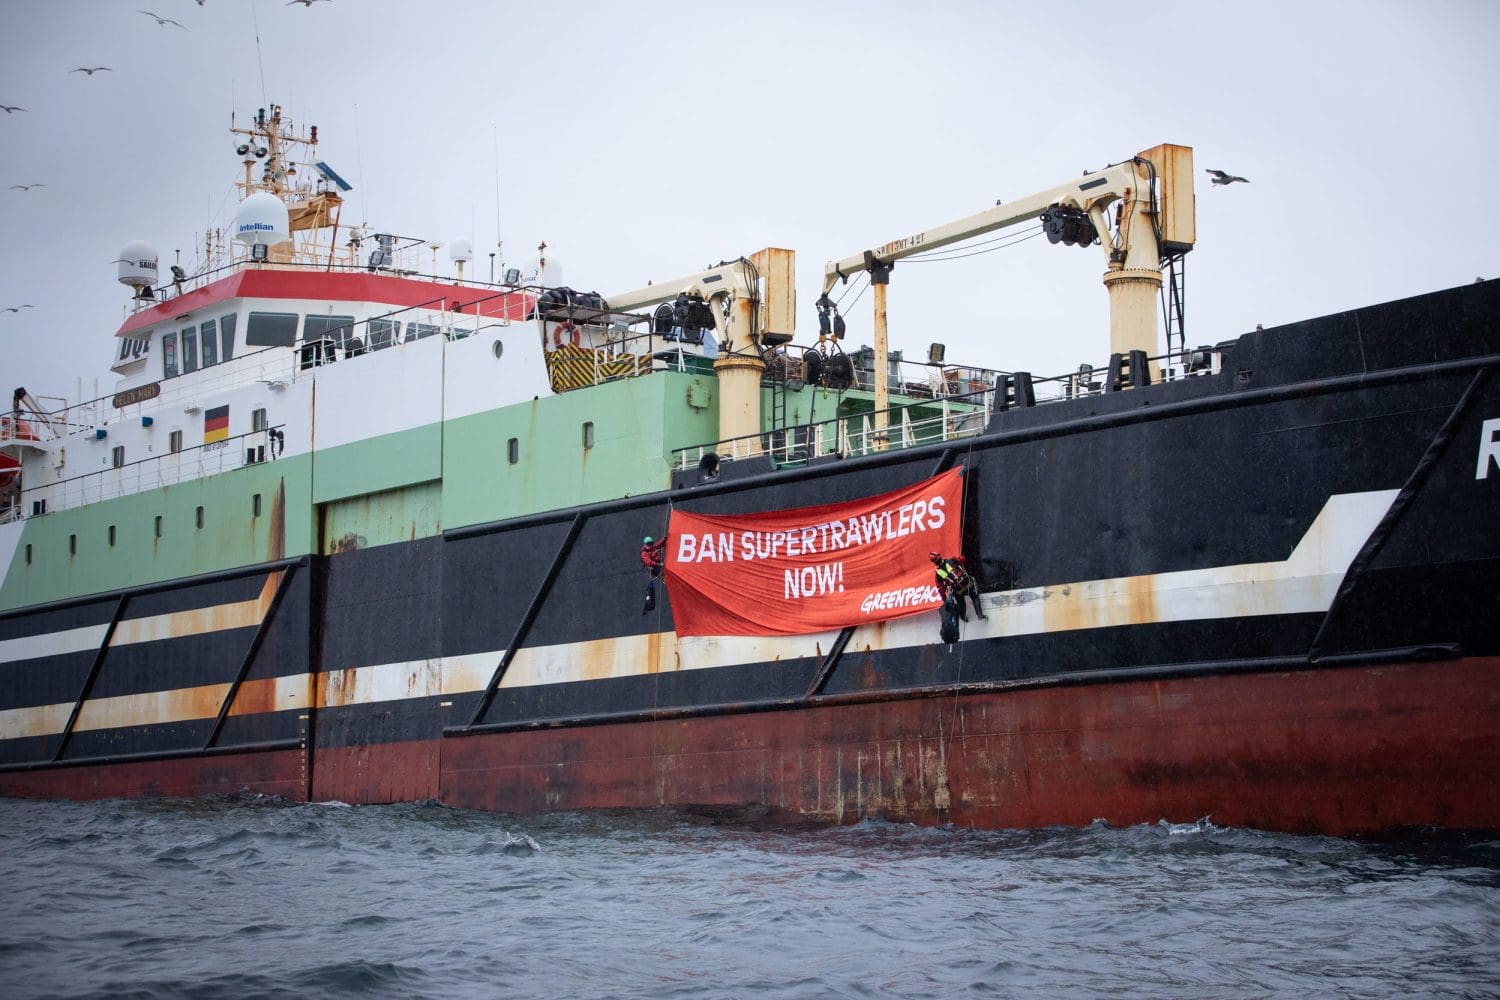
<point>1489,448</point>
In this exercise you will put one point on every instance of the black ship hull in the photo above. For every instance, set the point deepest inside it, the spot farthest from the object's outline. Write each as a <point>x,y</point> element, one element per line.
<point>1270,594</point>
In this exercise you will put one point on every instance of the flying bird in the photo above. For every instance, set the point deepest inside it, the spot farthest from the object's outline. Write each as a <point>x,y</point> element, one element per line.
<point>91,71</point>
<point>8,108</point>
<point>25,187</point>
<point>16,309</point>
<point>305,3</point>
<point>1220,177</point>
<point>162,21</point>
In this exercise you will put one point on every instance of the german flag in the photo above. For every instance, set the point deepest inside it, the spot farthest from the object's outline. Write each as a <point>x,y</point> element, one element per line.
<point>216,424</point>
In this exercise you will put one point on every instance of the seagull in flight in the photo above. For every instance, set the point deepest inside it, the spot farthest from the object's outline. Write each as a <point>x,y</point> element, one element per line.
<point>91,70</point>
<point>162,21</point>
<point>25,187</point>
<point>1220,177</point>
<point>8,108</point>
<point>305,3</point>
<point>16,309</point>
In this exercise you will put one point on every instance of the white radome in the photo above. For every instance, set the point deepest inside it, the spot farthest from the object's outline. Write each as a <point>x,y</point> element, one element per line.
<point>262,218</point>
<point>546,271</point>
<point>460,252</point>
<point>137,264</point>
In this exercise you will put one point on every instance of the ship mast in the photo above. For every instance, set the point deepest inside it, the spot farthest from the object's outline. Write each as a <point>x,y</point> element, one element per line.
<point>312,195</point>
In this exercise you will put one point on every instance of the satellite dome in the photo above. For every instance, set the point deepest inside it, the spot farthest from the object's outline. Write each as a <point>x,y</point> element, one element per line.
<point>460,252</point>
<point>262,218</point>
<point>546,271</point>
<point>137,263</point>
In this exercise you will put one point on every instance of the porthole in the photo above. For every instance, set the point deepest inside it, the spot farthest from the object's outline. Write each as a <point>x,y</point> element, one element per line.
<point>498,349</point>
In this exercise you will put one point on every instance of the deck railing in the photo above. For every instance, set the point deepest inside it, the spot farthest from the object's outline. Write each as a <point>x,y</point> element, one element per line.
<point>908,424</point>
<point>251,448</point>
<point>961,413</point>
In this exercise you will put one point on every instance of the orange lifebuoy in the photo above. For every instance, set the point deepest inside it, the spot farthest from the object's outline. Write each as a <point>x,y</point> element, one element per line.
<point>565,331</point>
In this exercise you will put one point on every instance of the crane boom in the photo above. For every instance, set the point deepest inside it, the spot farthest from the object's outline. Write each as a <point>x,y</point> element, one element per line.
<point>1088,192</point>
<point>758,289</point>
<point>753,301</point>
<point>1155,193</point>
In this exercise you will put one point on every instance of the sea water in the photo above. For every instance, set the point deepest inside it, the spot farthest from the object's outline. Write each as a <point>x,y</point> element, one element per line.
<point>244,897</point>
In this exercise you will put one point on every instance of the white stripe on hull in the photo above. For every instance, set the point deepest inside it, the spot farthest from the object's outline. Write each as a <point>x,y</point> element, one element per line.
<point>150,708</point>
<point>1305,582</point>
<point>150,628</point>
<point>34,647</point>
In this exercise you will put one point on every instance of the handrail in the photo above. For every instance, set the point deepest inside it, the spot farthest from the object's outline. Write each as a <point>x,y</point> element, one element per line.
<point>957,417</point>
<point>802,441</point>
<point>442,313</point>
<point>227,458</point>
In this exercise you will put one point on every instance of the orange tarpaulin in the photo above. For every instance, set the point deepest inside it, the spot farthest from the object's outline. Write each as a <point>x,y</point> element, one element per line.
<point>811,569</point>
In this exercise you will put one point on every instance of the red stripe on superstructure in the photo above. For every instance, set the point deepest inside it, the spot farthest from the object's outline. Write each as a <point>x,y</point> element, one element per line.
<point>334,287</point>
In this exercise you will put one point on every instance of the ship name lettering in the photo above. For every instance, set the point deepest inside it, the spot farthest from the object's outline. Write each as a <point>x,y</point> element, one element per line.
<point>1489,448</point>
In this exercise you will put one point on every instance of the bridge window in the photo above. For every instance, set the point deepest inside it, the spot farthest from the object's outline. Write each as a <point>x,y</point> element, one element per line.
<point>335,328</point>
<point>189,350</point>
<point>268,329</point>
<point>384,333</point>
<point>226,337</point>
<point>416,331</point>
<point>210,338</point>
<point>169,355</point>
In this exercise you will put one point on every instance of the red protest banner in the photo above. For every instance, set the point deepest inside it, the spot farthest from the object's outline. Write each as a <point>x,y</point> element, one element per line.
<point>809,569</point>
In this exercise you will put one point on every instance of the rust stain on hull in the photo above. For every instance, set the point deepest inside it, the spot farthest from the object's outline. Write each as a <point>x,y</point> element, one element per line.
<point>279,773</point>
<point>276,546</point>
<point>1337,751</point>
<point>1128,753</point>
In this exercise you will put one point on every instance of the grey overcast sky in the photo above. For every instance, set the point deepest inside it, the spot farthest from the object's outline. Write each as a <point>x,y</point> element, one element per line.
<point>645,140</point>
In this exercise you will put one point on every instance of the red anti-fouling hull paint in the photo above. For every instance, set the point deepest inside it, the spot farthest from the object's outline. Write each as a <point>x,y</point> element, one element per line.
<point>276,772</point>
<point>377,773</point>
<point>1333,751</point>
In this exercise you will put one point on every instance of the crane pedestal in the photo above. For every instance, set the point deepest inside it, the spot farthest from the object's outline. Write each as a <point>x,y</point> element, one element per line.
<point>1132,309</point>
<point>739,400</point>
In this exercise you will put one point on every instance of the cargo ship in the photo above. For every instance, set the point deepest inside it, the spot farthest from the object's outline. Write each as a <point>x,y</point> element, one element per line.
<point>349,529</point>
